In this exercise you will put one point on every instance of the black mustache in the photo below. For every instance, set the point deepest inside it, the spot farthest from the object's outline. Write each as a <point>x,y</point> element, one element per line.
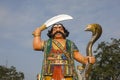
<point>60,33</point>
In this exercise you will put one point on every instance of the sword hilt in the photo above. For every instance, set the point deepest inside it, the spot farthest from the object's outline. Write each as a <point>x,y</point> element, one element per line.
<point>42,27</point>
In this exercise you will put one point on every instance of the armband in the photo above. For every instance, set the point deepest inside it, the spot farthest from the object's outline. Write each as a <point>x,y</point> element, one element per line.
<point>36,35</point>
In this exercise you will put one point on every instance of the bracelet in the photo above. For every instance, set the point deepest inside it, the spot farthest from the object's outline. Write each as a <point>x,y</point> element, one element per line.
<point>36,35</point>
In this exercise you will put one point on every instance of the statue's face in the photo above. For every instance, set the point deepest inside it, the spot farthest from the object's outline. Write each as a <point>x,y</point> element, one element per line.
<point>58,31</point>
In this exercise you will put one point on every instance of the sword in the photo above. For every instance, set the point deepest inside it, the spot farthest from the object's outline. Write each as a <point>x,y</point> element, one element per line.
<point>54,20</point>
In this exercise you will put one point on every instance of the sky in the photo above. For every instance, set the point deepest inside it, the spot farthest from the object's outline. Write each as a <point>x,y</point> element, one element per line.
<point>19,18</point>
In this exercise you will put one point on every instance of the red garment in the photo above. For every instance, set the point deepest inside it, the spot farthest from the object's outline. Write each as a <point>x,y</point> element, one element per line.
<point>57,73</point>
<point>57,69</point>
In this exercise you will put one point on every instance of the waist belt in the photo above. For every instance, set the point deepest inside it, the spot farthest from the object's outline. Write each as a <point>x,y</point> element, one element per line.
<point>59,62</point>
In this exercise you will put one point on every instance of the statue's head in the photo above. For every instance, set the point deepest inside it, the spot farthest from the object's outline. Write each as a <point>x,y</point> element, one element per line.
<point>58,30</point>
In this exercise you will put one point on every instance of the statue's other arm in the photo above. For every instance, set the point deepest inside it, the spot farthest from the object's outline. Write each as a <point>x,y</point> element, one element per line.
<point>82,59</point>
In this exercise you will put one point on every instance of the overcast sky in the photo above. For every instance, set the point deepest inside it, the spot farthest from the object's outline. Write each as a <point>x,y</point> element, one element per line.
<point>19,18</point>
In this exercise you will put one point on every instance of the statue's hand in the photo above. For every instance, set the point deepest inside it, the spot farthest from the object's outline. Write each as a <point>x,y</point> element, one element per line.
<point>91,59</point>
<point>38,30</point>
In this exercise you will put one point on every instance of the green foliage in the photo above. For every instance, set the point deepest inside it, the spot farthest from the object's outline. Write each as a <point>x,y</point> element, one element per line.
<point>107,66</point>
<point>10,73</point>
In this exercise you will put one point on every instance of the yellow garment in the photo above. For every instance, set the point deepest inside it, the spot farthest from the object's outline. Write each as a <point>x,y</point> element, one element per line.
<point>50,78</point>
<point>69,78</point>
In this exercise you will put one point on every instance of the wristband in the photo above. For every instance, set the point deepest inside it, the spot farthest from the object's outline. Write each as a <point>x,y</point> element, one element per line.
<point>36,35</point>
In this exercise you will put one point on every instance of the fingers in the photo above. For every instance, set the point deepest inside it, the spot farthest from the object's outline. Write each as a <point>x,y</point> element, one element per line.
<point>36,31</point>
<point>39,29</point>
<point>91,60</point>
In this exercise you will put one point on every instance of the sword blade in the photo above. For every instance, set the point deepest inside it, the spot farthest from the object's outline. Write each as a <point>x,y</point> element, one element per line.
<point>57,18</point>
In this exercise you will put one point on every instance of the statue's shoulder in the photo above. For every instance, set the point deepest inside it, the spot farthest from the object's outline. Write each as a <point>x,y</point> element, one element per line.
<point>69,41</point>
<point>48,42</point>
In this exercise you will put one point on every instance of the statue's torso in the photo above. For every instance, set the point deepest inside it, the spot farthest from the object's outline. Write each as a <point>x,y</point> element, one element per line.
<point>61,67</point>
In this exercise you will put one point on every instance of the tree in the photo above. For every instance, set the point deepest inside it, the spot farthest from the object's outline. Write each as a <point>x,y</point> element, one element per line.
<point>107,66</point>
<point>10,73</point>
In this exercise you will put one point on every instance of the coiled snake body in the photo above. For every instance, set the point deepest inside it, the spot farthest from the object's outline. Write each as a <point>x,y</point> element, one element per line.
<point>96,33</point>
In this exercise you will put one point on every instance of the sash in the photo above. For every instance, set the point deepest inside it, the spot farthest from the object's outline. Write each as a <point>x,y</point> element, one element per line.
<point>59,45</point>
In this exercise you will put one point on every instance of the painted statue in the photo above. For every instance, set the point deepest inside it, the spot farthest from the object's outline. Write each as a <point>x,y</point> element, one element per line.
<point>59,53</point>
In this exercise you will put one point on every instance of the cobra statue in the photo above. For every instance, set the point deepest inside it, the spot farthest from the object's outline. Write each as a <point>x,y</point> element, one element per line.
<point>96,33</point>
